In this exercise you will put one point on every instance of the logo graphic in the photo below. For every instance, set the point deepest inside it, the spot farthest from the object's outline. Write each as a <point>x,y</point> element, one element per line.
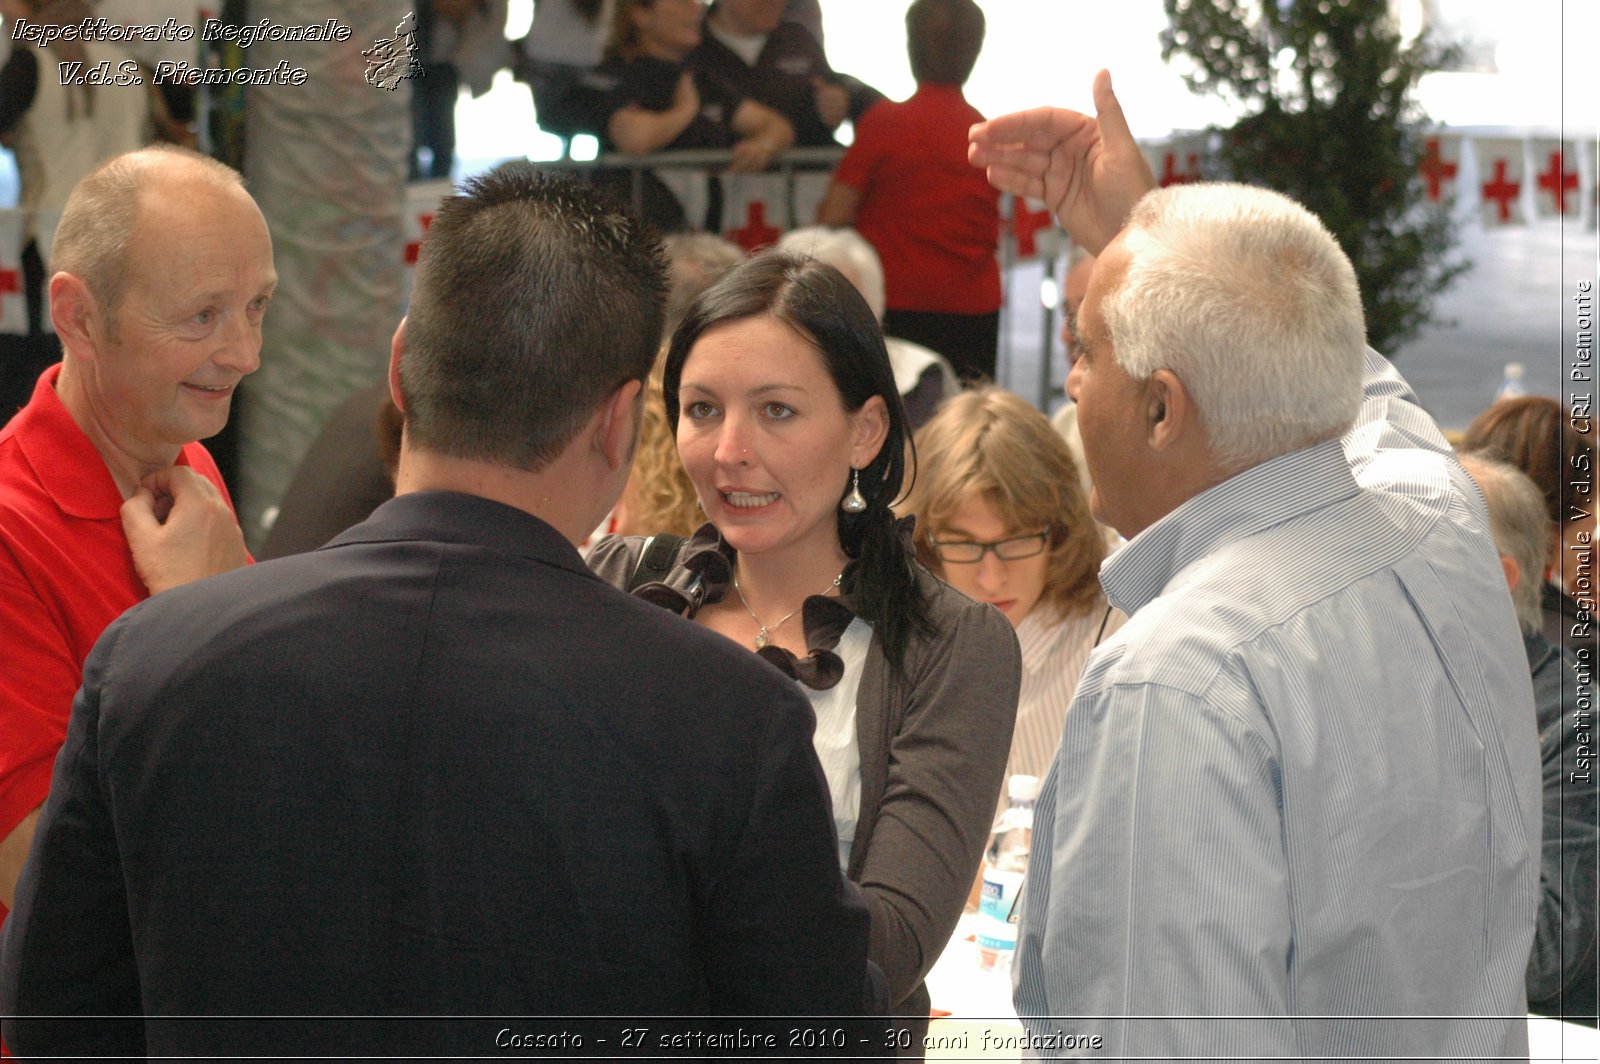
<point>393,60</point>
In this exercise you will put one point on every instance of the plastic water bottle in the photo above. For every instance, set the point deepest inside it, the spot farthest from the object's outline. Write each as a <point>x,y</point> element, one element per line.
<point>1005,863</point>
<point>1511,384</point>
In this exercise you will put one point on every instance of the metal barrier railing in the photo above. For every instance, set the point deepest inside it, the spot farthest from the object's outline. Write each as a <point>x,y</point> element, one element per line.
<point>796,161</point>
<point>710,160</point>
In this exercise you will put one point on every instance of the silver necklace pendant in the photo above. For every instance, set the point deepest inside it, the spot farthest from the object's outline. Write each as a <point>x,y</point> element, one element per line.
<point>764,634</point>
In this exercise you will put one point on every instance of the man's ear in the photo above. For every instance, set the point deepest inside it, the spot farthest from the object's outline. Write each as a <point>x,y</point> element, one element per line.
<point>76,315</point>
<point>1168,410</point>
<point>618,427</point>
<point>871,425</point>
<point>397,347</point>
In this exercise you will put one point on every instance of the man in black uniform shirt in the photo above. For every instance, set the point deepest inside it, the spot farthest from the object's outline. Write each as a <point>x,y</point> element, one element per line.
<point>748,44</point>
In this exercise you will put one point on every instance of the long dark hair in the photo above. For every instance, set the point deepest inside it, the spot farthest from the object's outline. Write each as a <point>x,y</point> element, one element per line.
<point>820,304</point>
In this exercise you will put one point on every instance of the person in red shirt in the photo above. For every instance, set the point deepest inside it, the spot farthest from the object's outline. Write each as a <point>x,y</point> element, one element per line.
<point>906,186</point>
<point>163,270</point>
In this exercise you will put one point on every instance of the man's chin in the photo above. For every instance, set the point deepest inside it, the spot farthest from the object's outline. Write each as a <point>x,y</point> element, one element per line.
<point>1097,511</point>
<point>203,428</point>
<point>1097,507</point>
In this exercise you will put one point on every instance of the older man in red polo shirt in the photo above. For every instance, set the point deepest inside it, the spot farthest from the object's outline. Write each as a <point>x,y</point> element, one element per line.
<point>163,270</point>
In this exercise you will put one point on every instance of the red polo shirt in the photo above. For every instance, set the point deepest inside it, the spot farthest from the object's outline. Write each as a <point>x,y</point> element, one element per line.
<point>65,574</point>
<point>932,216</point>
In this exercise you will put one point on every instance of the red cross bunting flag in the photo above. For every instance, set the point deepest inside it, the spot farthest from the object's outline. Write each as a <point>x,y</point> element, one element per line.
<point>757,209</point>
<point>1439,165</point>
<point>1555,178</point>
<point>1506,180</point>
<point>13,308</point>
<point>1178,162</point>
<point>1500,182</point>
<point>755,230</point>
<point>422,200</point>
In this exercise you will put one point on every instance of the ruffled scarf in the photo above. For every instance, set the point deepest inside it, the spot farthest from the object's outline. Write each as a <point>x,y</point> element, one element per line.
<point>704,574</point>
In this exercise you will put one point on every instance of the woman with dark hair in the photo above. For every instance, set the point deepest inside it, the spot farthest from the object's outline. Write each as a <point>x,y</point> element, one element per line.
<point>789,423</point>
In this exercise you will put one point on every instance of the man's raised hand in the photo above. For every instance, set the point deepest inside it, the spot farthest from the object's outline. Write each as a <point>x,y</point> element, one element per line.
<point>1088,171</point>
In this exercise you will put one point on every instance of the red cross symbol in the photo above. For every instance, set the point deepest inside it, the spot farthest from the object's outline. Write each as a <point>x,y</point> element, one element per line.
<point>1170,176</point>
<point>1434,169</point>
<point>8,287</point>
<point>415,247</point>
<point>1024,225</point>
<point>1502,191</point>
<point>1558,182</point>
<point>756,233</point>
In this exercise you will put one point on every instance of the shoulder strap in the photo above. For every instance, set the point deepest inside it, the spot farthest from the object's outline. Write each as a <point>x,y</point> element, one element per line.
<point>655,561</point>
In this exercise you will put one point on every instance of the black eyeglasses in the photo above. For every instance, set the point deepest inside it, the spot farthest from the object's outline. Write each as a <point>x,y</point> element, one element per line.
<point>966,552</point>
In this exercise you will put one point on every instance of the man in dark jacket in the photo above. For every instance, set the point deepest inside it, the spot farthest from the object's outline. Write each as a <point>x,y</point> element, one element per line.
<point>437,769</point>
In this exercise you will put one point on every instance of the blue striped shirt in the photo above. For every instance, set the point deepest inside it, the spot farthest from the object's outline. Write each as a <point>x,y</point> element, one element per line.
<point>1295,809</point>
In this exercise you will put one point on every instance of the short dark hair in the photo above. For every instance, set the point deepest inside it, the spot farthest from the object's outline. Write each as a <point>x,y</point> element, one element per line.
<point>943,38</point>
<point>534,299</point>
<point>823,307</point>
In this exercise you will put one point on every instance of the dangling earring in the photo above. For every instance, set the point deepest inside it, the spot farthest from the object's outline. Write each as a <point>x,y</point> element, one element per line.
<point>855,502</point>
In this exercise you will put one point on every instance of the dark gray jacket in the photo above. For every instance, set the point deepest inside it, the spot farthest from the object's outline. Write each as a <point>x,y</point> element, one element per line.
<point>933,740</point>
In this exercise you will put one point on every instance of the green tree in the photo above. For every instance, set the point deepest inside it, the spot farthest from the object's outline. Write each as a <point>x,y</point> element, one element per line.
<point>1333,123</point>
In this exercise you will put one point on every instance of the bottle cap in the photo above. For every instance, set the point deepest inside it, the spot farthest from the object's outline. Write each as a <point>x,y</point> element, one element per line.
<point>1023,788</point>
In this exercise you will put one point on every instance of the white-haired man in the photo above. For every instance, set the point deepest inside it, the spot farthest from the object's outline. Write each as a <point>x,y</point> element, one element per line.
<point>1298,790</point>
<point>163,270</point>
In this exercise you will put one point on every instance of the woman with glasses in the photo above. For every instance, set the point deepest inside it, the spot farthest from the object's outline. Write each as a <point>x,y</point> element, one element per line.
<point>790,426</point>
<point>1002,517</point>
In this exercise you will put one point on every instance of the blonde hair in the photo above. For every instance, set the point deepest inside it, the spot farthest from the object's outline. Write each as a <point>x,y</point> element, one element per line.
<point>659,496</point>
<point>988,442</point>
<point>1519,525</point>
